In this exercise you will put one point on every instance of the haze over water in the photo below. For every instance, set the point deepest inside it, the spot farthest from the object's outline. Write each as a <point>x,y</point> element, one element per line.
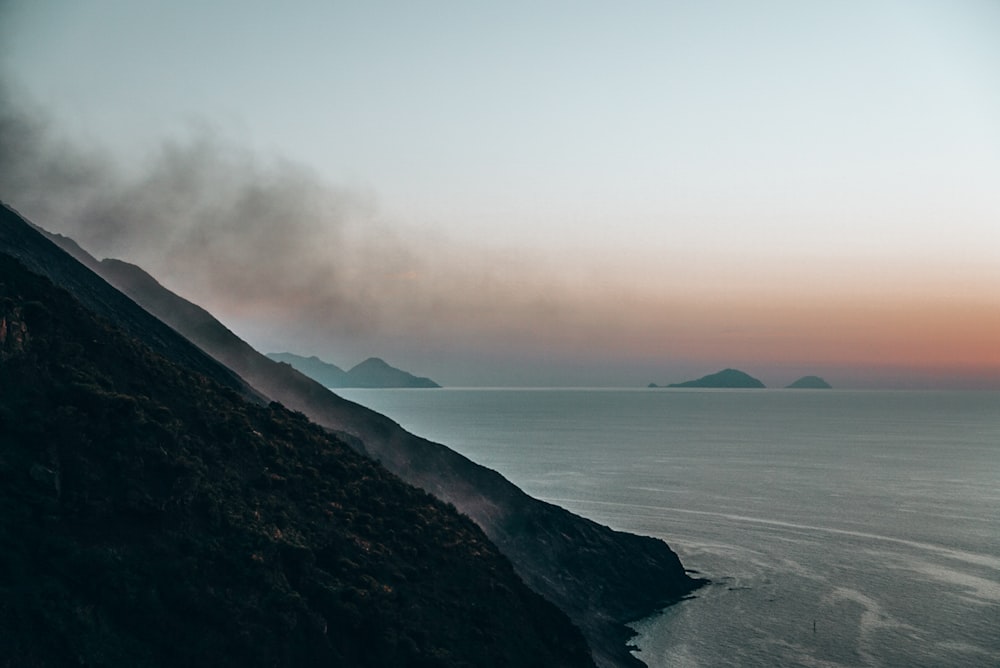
<point>871,513</point>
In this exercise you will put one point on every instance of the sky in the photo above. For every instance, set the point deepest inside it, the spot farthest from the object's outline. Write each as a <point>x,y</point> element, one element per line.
<point>536,193</point>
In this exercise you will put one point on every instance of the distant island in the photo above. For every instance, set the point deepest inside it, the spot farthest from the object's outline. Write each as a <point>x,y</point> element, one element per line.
<point>372,373</point>
<point>810,383</point>
<point>727,378</point>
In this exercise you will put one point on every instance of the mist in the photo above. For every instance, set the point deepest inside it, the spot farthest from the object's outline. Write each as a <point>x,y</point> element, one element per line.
<point>282,256</point>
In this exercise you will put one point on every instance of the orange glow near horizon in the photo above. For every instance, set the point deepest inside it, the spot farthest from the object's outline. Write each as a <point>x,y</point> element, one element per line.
<point>899,331</point>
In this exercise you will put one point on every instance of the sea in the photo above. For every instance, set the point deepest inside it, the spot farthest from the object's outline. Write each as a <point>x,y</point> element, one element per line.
<point>837,527</point>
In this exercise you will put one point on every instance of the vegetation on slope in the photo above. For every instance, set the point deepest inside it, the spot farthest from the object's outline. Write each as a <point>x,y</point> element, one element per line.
<point>151,517</point>
<point>601,578</point>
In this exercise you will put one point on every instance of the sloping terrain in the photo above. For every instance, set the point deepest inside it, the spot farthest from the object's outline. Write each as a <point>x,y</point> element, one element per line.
<point>150,516</point>
<point>601,578</point>
<point>21,240</point>
<point>324,373</point>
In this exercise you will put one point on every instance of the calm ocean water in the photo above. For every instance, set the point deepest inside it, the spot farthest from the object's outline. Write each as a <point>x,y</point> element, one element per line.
<point>839,528</point>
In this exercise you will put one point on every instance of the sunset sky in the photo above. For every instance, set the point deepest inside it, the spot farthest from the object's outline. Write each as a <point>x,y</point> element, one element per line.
<point>536,193</point>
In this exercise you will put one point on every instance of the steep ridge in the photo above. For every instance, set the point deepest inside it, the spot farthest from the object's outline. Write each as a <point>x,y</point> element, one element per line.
<point>150,516</point>
<point>602,578</point>
<point>21,240</point>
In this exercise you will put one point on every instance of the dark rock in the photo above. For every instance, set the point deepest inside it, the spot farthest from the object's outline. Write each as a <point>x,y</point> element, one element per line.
<point>46,477</point>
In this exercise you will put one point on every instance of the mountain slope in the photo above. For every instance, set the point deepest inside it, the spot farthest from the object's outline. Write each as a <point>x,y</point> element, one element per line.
<point>150,516</point>
<point>23,241</point>
<point>376,372</point>
<point>324,373</point>
<point>371,373</point>
<point>600,577</point>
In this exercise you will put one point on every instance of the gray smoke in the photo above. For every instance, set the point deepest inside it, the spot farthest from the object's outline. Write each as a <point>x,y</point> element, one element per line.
<point>282,256</point>
<point>256,236</point>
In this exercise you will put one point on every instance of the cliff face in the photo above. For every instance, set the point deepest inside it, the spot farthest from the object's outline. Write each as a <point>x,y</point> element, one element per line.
<point>150,516</point>
<point>600,577</point>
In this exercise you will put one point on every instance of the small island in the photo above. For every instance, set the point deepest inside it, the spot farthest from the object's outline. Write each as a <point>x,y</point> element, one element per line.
<point>727,378</point>
<point>810,383</point>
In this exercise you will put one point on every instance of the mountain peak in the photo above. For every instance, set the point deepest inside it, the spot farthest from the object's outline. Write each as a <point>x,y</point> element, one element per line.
<point>376,372</point>
<point>371,363</point>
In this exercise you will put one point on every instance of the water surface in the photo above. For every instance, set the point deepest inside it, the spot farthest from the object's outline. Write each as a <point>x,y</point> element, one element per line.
<point>839,528</point>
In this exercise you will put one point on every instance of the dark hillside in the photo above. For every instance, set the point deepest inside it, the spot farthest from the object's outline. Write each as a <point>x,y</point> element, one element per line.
<point>150,516</point>
<point>600,577</point>
<point>40,255</point>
